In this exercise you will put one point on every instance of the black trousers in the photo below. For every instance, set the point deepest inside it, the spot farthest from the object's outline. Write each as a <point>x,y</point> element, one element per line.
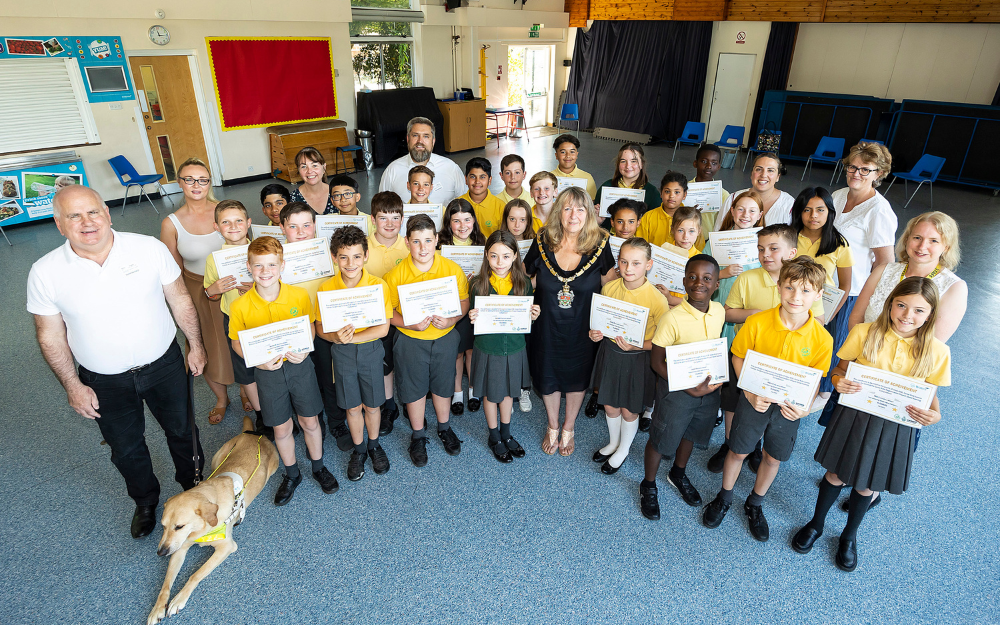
<point>162,385</point>
<point>322,359</point>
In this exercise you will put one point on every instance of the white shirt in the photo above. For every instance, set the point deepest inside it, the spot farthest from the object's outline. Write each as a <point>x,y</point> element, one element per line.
<point>116,314</point>
<point>449,181</point>
<point>870,224</point>
<point>779,213</point>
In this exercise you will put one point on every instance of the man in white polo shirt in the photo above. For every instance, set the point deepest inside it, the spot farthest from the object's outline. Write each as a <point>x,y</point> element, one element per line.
<point>103,298</point>
<point>449,181</point>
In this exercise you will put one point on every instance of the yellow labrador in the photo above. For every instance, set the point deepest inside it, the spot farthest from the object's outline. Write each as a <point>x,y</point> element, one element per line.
<point>206,514</point>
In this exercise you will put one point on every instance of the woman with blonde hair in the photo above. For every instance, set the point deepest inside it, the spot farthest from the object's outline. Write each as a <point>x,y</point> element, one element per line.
<point>569,261</point>
<point>190,235</point>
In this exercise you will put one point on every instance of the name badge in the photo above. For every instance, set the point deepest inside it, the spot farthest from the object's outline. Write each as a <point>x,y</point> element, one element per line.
<point>130,269</point>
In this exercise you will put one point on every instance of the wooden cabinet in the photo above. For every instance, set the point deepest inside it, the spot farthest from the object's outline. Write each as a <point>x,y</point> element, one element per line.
<point>286,141</point>
<point>464,124</point>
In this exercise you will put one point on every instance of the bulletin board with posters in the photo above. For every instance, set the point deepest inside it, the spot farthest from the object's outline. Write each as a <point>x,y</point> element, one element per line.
<point>28,184</point>
<point>101,59</point>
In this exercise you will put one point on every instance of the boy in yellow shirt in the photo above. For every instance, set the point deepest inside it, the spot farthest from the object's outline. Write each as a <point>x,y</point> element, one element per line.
<point>567,148</point>
<point>488,207</point>
<point>344,194</point>
<point>287,384</point>
<point>358,353</point>
<point>543,194</point>
<point>792,333</point>
<point>707,162</point>
<point>512,172</point>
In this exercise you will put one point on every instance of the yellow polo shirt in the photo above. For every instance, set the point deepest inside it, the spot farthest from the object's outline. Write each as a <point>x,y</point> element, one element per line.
<point>755,290</point>
<point>382,258</point>
<point>489,212</point>
<point>646,295</point>
<point>685,324</point>
<point>536,221</point>
<point>895,355</point>
<point>656,227</point>
<point>505,197</point>
<point>840,257</point>
<point>407,273</point>
<point>336,283</point>
<point>579,173</point>
<point>811,345</point>
<point>212,276</point>
<point>250,310</point>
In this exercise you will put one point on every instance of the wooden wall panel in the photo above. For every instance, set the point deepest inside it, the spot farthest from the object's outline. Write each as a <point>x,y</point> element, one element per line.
<point>700,10</point>
<point>579,11</point>
<point>632,9</point>
<point>776,10</point>
<point>912,11</point>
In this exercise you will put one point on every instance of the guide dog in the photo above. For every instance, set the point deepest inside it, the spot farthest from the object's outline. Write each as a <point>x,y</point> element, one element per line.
<point>206,514</point>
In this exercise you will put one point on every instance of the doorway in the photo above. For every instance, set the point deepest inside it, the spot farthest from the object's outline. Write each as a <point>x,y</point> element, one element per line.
<point>170,114</point>
<point>529,79</point>
<point>731,95</point>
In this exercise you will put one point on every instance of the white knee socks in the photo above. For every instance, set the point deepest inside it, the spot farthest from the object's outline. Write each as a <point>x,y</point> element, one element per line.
<point>629,428</point>
<point>614,430</point>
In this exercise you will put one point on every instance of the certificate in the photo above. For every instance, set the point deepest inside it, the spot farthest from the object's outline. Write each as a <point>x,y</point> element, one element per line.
<point>420,300</point>
<point>609,195</point>
<point>779,380</point>
<point>707,196</point>
<point>886,394</point>
<point>232,261</point>
<point>523,247</point>
<point>434,211</point>
<point>735,247</point>
<point>327,224</point>
<point>267,231</point>
<point>613,317</point>
<point>616,246</point>
<point>468,257</point>
<point>267,342</point>
<point>668,270</point>
<point>503,314</point>
<point>688,365</point>
<point>307,260</point>
<point>362,307</point>
<point>565,182</point>
<point>831,299</point>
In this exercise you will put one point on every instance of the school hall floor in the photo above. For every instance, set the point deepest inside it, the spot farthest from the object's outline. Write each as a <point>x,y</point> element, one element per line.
<point>469,540</point>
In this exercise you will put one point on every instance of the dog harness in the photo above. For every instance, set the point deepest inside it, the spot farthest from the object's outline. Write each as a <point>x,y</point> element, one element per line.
<point>239,503</point>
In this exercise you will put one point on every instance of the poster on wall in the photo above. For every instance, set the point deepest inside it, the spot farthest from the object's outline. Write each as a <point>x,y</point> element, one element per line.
<point>101,59</point>
<point>26,194</point>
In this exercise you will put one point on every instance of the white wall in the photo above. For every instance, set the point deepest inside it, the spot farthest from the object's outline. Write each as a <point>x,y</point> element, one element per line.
<point>724,37</point>
<point>945,62</point>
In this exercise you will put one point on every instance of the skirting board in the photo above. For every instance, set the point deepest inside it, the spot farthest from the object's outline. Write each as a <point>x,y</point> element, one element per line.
<point>621,135</point>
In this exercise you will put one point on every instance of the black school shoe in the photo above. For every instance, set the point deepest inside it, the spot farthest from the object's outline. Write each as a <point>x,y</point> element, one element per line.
<point>343,436</point>
<point>388,421</point>
<point>688,492</point>
<point>592,406</point>
<point>804,539</point>
<point>649,503</point>
<point>380,461</point>
<point>644,423</point>
<point>514,447</point>
<point>451,443</point>
<point>757,522</point>
<point>715,512</point>
<point>286,489</point>
<point>500,452</point>
<point>326,481</point>
<point>143,521</point>
<point>847,555</point>
<point>599,457</point>
<point>718,460</point>
<point>474,404</point>
<point>356,466</point>
<point>418,451</point>
<point>457,408</point>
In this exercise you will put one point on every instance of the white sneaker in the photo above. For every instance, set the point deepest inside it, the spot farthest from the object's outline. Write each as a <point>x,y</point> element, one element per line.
<point>525,401</point>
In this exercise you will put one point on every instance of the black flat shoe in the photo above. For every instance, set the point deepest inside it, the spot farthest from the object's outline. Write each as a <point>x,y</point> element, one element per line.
<point>757,522</point>
<point>592,406</point>
<point>474,404</point>
<point>286,489</point>
<point>599,457</point>
<point>388,421</point>
<point>514,447</point>
<point>418,451</point>
<point>649,503</point>
<point>718,460</point>
<point>804,539</point>
<point>715,512</point>
<point>343,436</point>
<point>452,444</point>
<point>457,408</point>
<point>846,506</point>
<point>143,521</point>
<point>607,469</point>
<point>688,492</point>
<point>644,423</point>
<point>847,555</point>
<point>500,452</point>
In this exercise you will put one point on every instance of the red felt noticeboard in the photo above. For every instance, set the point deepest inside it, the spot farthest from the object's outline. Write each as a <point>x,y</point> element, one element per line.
<point>267,81</point>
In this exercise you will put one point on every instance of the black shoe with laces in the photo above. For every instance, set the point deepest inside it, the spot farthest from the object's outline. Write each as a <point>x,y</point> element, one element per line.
<point>649,503</point>
<point>514,447</point>
<point>326,481</point>
<point>451,443</point>
<point>715,512</point>
<point>356,466</point>
<point>688,492</point>
<point>757,522</point>
<point>388,421</point>
<point>592,406</point>
<point>343,435</point>
<point>380,461</point>
<point>418,451</point>
<point>718,459</point>
<point>286,489</point>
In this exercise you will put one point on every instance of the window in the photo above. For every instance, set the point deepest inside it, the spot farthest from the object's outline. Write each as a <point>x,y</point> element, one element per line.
<point>382,43</point>
<point>43,105</point>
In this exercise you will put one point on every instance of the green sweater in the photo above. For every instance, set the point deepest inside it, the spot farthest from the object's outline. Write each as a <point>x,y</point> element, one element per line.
<point>499,344</point>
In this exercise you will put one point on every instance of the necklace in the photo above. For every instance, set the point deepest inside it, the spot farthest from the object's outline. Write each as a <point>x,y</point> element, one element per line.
<point>929,276</point>
<point>566,295</point>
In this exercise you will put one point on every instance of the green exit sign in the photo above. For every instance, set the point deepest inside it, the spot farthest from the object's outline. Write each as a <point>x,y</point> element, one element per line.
<point>533,34</point>
<point>536,27</point>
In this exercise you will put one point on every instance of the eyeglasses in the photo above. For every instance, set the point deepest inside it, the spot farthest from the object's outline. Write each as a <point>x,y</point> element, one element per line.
<point>345,195</point>
<point>851,169</point>
<point>201,182</point>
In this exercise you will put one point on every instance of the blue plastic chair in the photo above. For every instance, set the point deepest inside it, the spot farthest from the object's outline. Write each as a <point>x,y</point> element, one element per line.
<point>569,113</point>
<point>926,170</point>
<point>342,151</point>
<point>693,134</point>
<point>129,177</point>
<point>732,137</point>
<point>837,174</point>
<point>829,150</point>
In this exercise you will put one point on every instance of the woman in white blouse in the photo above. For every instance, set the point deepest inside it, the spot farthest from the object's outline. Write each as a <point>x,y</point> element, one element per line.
<point>767,170</point>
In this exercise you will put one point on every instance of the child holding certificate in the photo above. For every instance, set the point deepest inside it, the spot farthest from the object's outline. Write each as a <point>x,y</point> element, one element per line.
<point>386,249</point>
<point>358,353</point>
<point>685,229</point>
<point>425,351</point>
<point>488,207</point>
<point>707,162</point>
<point>461,227</point>
<point>543,187</point>
<point>512,171</point>
<point>273,198</point>
<point>655,224</point>
<point>287,384</point>
<point>787,332</point>
<point>344,194</point>
<point>517,220</point>
<point>420,183</point>
<point>686,417</point>
<point>233,222</point>
<point>620,368</point>
<point>500,361</point>
<point>864,451</point>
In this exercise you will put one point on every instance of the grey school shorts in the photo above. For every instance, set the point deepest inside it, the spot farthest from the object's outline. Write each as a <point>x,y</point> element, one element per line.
<point>291,390</point>
<point>360,380</point>
<point>423,366</point>
<point>749,426</point>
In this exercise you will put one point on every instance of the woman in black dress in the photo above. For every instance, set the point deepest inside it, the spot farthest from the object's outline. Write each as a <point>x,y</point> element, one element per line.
<point>569,262</point>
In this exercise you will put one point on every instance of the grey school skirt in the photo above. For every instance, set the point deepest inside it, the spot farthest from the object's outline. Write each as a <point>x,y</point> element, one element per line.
<point>621,377</point>
<point>498,377</point>
<point>359,374</point>
<point>867,452</point>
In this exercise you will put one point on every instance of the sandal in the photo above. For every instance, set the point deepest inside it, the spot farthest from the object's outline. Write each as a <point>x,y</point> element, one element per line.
<point>550,444</point>
<point>567,446</point>
<point>216,414</point>
<point>247,406</point>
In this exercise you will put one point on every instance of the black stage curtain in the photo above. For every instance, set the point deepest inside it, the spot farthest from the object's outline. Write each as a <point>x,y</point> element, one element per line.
<point>641,76</point>
<point>996,97</point>
<point>777,62</point>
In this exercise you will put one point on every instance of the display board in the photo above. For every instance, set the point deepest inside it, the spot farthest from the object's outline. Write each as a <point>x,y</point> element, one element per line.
<point>26,193</point>
<point>101,59</point>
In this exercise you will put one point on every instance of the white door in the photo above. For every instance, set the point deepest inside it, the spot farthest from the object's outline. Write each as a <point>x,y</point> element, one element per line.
<point>732,93</point>
<point>537,78</point>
